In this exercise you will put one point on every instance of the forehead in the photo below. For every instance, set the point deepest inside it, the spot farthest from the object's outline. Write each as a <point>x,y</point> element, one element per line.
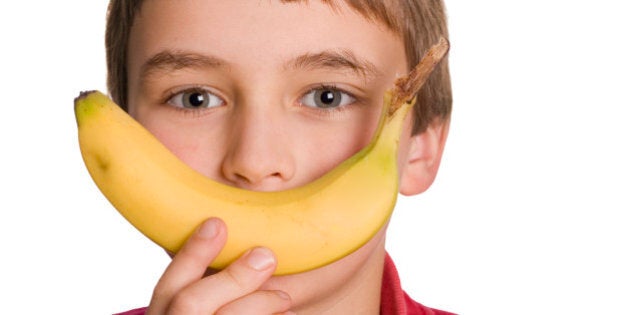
<point>256,29</point>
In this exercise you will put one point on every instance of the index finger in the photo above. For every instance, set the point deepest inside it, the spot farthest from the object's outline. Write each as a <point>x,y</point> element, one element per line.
<point>190,263</point>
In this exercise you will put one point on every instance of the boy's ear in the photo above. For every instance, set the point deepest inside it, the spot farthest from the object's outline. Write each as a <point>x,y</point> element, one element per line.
<point>422,160</point>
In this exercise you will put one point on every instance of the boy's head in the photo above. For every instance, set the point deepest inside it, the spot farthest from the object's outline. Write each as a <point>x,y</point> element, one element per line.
<point>420,23</point>
<point>270,95</point>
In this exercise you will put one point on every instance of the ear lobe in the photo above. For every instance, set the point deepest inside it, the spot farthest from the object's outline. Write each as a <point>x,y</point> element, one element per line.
<point>422,161</point>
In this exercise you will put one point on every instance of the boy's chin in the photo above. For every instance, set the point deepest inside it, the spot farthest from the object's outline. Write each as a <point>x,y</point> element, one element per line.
<point>365,265</point>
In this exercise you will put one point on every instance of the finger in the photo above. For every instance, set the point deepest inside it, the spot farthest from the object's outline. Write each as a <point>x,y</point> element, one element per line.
<point>189,264</point>
<point>258,302</point>
<point>242,277</point>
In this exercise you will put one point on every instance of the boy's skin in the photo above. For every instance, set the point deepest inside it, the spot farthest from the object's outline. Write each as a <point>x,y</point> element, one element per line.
<point>262,60</point>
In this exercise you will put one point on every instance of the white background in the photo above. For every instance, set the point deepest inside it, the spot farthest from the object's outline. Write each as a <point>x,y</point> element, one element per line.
<point>528,214</point>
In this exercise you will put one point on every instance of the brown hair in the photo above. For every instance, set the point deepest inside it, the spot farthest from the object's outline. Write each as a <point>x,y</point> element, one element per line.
<point>420,23</point>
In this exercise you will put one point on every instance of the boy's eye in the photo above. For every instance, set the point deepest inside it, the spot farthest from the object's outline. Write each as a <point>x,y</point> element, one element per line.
<point>326,97</point>
<point>196,98</point>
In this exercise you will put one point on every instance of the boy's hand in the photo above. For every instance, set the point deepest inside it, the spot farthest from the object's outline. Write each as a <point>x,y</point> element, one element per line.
<point>183,289</point>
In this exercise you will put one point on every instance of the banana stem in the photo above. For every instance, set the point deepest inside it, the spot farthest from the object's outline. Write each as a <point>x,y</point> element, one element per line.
<point>408,86</point>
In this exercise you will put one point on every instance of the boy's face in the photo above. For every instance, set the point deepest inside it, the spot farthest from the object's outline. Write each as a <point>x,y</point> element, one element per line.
<point>284,91</point>
<point>259,94</point>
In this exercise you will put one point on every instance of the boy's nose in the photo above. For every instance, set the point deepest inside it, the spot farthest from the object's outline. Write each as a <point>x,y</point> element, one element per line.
<point>259,152</point>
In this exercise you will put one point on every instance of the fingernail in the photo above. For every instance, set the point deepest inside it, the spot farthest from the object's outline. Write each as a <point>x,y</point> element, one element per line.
<point>208,229</point>
<point>260,259</point>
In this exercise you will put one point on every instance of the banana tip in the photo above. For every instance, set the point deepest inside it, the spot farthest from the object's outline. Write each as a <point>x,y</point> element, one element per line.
<point>80,110</point>
<point>83,95</point>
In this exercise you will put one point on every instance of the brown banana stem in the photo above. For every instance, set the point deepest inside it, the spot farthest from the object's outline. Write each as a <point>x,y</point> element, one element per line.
<point>408,86</point>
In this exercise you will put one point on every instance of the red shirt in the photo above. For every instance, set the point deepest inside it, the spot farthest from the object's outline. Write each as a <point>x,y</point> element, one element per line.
<point>394,301</point>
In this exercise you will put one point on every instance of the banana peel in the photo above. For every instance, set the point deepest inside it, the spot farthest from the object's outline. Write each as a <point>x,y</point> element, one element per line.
<point>306,227</point>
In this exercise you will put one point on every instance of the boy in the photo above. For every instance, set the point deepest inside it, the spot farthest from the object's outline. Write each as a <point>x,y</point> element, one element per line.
<point>269,95</point>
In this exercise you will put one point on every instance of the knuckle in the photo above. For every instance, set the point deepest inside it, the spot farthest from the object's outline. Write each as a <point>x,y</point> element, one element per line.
<point>236,280</point>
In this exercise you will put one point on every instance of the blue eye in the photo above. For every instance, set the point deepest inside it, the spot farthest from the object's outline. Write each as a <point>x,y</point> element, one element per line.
<point>326,97</point>
<point>196,98</point>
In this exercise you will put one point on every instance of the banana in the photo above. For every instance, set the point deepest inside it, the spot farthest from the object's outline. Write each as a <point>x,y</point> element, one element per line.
<point>306,227</point>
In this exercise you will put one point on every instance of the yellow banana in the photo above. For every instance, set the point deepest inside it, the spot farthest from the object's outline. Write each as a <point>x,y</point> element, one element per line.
<point>306,227</point>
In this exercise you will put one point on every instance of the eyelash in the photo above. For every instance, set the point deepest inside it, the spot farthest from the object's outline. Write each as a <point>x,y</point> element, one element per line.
<point>195,112</point>
<point>334,110</point>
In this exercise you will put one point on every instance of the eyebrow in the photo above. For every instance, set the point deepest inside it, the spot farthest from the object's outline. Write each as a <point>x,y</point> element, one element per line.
<point>334,60</point>
<point>171,60</point>
<point>342,60</point>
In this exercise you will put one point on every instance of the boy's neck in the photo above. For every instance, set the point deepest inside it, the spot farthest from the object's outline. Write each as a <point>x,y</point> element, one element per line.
<point>361,294</point>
